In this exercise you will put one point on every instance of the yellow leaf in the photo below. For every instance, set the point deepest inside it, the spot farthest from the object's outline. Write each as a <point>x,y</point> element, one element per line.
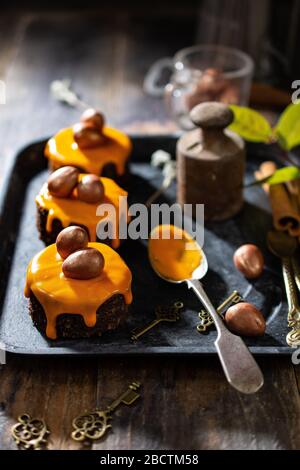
<point>287,129</point>
<point>250,125</point>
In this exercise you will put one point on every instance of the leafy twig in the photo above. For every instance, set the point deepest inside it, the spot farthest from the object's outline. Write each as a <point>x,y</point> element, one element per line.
<point>61,91</point>
<point>283,175</point>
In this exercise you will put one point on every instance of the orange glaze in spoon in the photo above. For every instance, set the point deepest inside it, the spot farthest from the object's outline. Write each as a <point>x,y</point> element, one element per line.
<point>177,258</point>
<point>173,252</point>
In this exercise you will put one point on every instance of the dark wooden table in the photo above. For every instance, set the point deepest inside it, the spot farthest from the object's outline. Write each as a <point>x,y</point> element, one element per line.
<point>186,403</point>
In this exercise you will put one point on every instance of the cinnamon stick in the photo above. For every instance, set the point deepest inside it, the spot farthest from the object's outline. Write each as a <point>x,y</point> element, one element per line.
<point>284,204</point>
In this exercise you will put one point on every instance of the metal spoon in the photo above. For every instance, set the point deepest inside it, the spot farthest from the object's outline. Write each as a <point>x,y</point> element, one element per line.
<point>240,368</point>
<point>281,244</point>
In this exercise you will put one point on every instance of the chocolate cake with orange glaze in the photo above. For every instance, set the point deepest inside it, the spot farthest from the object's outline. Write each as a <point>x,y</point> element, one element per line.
<point>72,198</point>
<point>92,147</point>
<point>77,288</point>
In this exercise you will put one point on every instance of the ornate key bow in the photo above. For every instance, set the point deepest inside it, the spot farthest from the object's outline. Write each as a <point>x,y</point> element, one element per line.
<point>30,433</point>
<point>94,425</point>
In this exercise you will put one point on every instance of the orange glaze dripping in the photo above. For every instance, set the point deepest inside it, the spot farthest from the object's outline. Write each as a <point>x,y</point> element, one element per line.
<point>73,211</point>
<point>175,257</point>
<point>62,150</point>
<point>58,294</point>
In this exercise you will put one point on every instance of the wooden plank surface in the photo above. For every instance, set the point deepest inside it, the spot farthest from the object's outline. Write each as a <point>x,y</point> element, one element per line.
<point>186,404</point>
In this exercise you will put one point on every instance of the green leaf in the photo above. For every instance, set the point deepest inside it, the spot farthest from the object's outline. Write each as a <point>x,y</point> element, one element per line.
<point>250,125</point>
<point>287,129</point>
<point>283,175</point>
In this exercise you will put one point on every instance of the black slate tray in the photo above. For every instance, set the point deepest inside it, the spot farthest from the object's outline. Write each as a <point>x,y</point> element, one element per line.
<point>19,242</point>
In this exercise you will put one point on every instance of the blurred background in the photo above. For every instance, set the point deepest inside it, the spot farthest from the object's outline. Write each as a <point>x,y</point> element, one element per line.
<point>107,49</point>
<point>267,29</point>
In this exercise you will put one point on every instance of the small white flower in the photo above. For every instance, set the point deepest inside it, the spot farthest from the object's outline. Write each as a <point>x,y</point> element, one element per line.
<point>159,158</point>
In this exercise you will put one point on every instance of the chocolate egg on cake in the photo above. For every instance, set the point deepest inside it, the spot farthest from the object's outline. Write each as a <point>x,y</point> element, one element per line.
<point>72,198</point>
<point>82,294</point>
<point>92,147</point>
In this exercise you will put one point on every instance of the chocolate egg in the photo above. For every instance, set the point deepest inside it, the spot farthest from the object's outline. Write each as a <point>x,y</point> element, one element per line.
<point>71,239</point>
<point>249,260</point>
<point>83,264</point>
<point>87,136</point>
<point>91,116</point>
<point>62,182</point>
<point>90,189</point>
<point>245,320</point>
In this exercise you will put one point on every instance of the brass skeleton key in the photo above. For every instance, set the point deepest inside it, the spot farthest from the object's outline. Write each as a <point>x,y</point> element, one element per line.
<point>162,314</point>
<point>296,268</point>
<point>206,319</point>
<point>94,425</point>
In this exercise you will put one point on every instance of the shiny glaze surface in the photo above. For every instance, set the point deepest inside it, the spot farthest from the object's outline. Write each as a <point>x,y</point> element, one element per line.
<point>61,295</point>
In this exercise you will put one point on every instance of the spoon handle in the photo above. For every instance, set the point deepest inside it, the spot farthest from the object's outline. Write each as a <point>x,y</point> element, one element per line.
<point>290,287</point>
<point>240,367</point>
<point>296,269</point>
<point>290,269</point>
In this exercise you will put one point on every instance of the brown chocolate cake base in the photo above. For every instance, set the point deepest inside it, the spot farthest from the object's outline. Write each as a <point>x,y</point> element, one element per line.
<point>109,171</point>
<point>50,237</point>
<point>110,316</point>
